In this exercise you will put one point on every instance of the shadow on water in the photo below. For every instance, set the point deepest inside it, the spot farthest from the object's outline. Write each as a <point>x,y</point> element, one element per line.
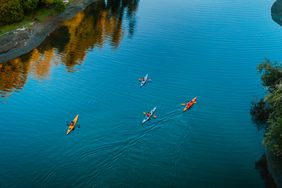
<point>276,12</point>
<point>260,111</point>
<point>261,165</point>
<point>100,23</point>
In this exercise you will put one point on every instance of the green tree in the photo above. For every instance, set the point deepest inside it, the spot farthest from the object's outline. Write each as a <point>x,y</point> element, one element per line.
<point>29,5</point>
<point>11,11</point>
<point>271,73</point>
<point>59,4</point>
<point>260,112</point>
<point>47,2</point>
<point>273,136</point>
<point>272,79</point>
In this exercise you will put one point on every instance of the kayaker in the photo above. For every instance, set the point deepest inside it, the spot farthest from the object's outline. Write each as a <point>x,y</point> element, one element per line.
<point>148,114</point>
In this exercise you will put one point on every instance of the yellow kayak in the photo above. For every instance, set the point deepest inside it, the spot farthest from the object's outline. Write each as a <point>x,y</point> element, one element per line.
<point>72,124</point>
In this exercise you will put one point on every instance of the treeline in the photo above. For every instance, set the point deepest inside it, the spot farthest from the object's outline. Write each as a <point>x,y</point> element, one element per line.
<point>99,24</point>
<point>267,112</point>
<point>14,10</point>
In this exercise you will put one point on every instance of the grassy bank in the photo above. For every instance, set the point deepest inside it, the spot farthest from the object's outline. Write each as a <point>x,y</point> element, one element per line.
<point>40,15</point>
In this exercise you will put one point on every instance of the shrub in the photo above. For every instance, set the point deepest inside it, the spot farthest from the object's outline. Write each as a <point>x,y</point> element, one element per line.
<point>272,79</point>
<point>260,112</point>
<point>48,2</point>
<point>11,11</point>
<point>271,73</point>
<point>29,5</point>
<point>60,6</point>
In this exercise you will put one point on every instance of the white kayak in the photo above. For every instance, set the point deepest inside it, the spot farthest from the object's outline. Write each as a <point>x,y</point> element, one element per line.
<point>147,118</point>
<point>144,81</point>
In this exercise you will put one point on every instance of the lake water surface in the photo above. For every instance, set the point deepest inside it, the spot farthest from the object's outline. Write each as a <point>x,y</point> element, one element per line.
<point>90,66</point>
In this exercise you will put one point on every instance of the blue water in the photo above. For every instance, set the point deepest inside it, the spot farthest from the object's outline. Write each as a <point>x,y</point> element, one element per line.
<point>209,49</point>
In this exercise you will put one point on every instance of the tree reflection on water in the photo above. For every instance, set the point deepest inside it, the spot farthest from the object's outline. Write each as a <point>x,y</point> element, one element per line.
<point>261,165</point>
<point>98,24</point>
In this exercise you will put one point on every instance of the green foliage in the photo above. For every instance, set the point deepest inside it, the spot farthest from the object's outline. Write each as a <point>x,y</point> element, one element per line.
<point>274,98</point>
<point>272,78</point>
<point>60,6</point>
<point>51,2</point>
<point>260,112</point>
<point>29,5</point>
<point>271,73</point>
<point>47,2</point>
<point>11,11</point>
<point>273,136</point>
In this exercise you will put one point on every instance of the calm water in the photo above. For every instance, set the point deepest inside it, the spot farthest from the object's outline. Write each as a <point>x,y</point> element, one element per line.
<point>91,65</point>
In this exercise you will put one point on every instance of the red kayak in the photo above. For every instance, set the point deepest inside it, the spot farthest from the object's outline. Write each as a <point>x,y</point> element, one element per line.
<point>190,104</point>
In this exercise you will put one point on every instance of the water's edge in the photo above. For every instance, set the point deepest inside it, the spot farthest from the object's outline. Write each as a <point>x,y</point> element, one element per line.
<point>22,41</point>
<point>273,163</point>
<point>274,166</point>
<point>42,76</point>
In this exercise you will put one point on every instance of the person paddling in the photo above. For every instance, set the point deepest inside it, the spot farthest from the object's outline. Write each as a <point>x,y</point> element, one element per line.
<point>144,80</point>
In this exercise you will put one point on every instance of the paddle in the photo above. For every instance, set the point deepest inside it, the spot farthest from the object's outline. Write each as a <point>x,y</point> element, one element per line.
<point>183,104</point>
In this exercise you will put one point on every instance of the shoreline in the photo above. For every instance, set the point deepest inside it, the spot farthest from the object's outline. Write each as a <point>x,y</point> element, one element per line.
<point>22,40</point>
<point>274,166</point>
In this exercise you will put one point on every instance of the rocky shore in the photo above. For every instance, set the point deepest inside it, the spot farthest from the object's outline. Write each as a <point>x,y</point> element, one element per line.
<point>23,40</point>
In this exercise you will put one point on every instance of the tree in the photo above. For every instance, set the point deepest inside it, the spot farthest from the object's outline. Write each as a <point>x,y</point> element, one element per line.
<point>29,5</point>
<point>273,136</point>
<point>271,73</point>
<point>260,112</point>
<point>59,4</point>
<point>11,11</point>
<point>272,79</point>
<point>47,2</point>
